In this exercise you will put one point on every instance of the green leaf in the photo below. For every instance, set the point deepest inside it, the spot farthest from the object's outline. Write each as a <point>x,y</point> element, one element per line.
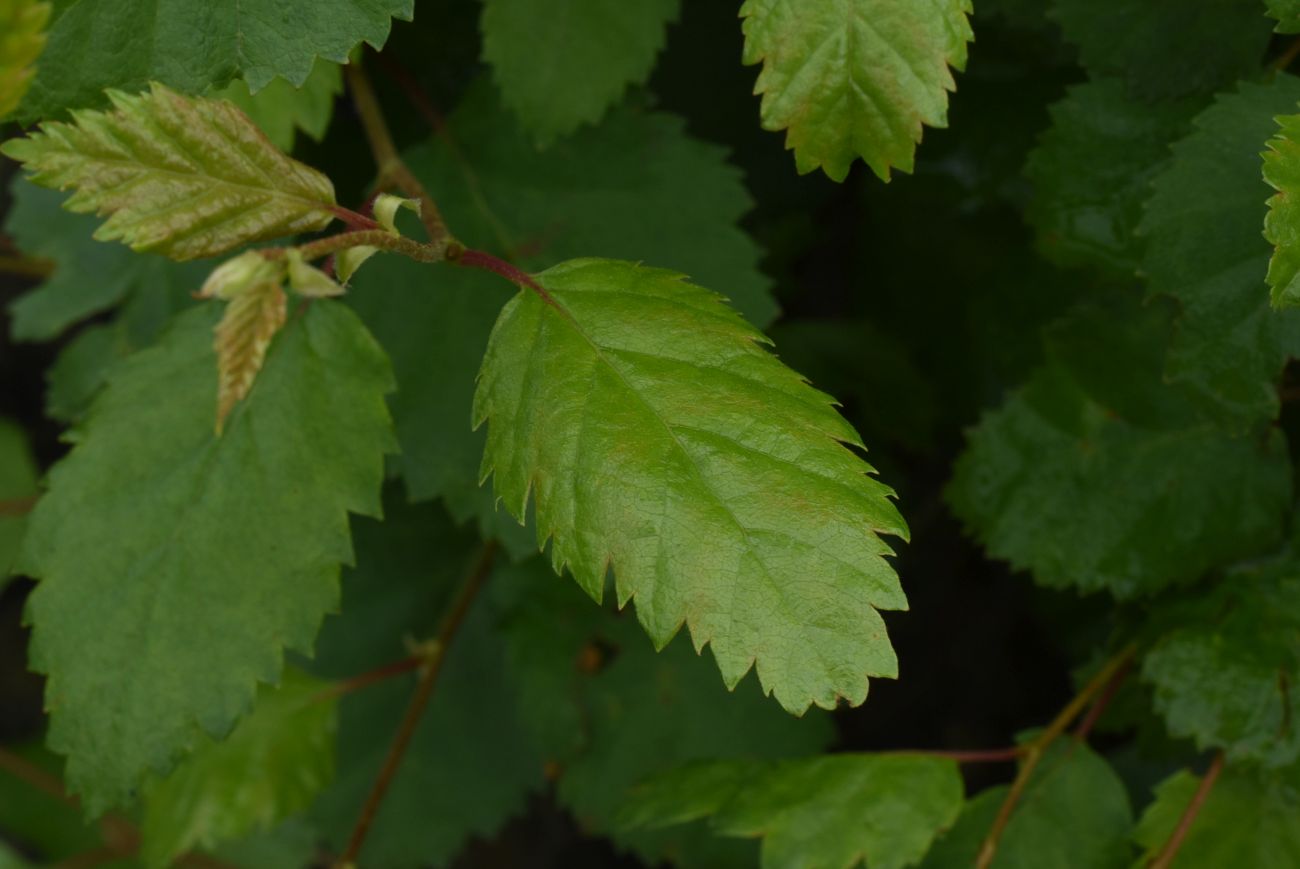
<point>281,109</point>
<point>562,63</point>
<point>1074,814</point>
<point>271,766</point>
<point>1059,485</point>
<point>175,569</point>
<point>615,396</point>
<point>636,187</point>
<point>1282,224</point>
<point>22,38</point>
<point>1287,13</point>
<point>1248,820</point>
<point>185,177</point>
<point>1167,48</point>
<point>835,811</point>
<point>855,78</point>
<point>18,477</point>
<point>89,277</point>
<point>193,48</point>
<point>1204,248</point>
<point>1226,663</point>
<point>1092,172</point>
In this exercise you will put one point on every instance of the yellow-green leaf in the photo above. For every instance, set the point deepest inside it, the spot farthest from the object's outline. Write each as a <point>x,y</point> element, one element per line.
<point>182,176</point>
<point>855,78</point>
<point>22,37</point>
<point>660,439</point>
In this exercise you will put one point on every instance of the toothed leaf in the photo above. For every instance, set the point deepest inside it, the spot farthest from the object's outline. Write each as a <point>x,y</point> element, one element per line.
<point>186,177</point>
<point>660,439</point>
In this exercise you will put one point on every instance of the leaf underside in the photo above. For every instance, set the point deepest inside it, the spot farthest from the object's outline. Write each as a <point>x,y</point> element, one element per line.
<point>659,439</point>
<point>185,177</point>
<point>855,78</point>
<point>175,567</point>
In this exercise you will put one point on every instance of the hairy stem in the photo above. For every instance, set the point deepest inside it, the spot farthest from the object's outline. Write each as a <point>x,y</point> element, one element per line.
<point>392,170</point>
<point>380,238</point>
<point>419,702</point>
<point>1165,858</point>
<point>1035,750</point>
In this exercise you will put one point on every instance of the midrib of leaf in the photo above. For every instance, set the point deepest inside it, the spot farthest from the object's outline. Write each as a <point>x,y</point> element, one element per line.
<point>603,358</point>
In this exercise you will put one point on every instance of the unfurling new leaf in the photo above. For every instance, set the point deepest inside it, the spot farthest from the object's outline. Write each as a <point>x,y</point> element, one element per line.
<point>22,36</point>
<point>855,78</point>
<point>660,439</point>
<point>243,337</point>
<point>182,176</point>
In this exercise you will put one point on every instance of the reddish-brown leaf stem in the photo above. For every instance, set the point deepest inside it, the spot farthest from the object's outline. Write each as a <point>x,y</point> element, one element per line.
<point>1165,858</point>
<point>371,677</point>
<point>26,266</point>
<point>419,701</point>
<point>17,506</point>
<point>1035,750</point>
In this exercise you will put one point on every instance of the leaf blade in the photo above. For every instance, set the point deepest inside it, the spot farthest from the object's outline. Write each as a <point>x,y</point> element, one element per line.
<point>193,564</point>
<point>186,177</point>
<point>888,60</point>
<point>587,335</point>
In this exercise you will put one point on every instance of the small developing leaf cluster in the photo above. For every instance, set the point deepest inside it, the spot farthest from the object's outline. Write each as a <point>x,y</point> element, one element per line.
<point>480,496</point>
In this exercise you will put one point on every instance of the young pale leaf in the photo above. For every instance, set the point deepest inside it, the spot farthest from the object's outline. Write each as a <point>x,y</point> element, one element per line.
<point>280,109</point>
<point>1287,13</point>
<point>1204,248</point>
<point>176,567</point>
<point>1282,224</point>
<point>22,36</point>
<point>196,46</point>
<point>830,812</point>
<point>563,63</point>
<point>1058,484</point>
<point>183,176</point>
<point>1247,820</point>
<point>1074,814</point>
<point>855,78</point>
<point>271,766</point>
<point>1166,48</point>
<point>244,334</point>
<point>661,439</point>
<point>88,276</point>
<point>17,488</point>
<point>1226,663</point>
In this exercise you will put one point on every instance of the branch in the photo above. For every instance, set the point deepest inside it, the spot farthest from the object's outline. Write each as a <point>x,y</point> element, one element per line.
<point>419,701</point>
<point>18,506</point>
<point>380,238</point>
<point>365,680</point>
<point>1094,714</point>
<point>1035,750</point>
<point>1287,56</point>
<point>25,266</point>
<point>392,170</point>
<point>1165,858</point>
<point>978,755</point>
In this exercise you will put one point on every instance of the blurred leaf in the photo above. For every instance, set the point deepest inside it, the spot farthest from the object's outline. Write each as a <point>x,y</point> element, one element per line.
<point>280,109</point>
<point>22,38</point>
<point>1248,820</point>
<point>1074,814</point>
<point>562,63</point>
<point>269,768</point>
<point>835,811</point>
<point>18,477</point>
<point>1204,248</point>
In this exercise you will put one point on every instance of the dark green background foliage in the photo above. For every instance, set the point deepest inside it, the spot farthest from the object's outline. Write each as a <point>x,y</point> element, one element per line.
<point>1054,337</point>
